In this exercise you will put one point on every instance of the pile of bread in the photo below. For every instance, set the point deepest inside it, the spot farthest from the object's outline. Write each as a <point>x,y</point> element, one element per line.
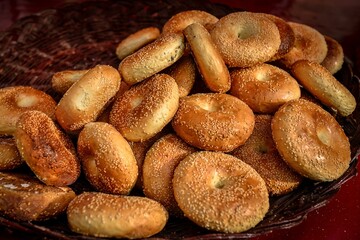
<point>207,117</point>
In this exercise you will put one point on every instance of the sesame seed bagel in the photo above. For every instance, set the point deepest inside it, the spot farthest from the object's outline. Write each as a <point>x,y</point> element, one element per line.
<point>213,121</point>
<point>324,86</point>
<point>135,41</point>
<point>178,22</point>
<point>104,116</point>
<point>335,55</point>
<point>63,80</point>
<point>158,170</point>
<point>9,155</point>
<point>209,61</point>
<point>152,58</point>
<point>220,192</point>
<point>260,152</point>
<point>87,98</point>
<point>184,73</point>
<point>48,152</point>
<point>309,44</point>
<point>140,149</point>
<point>264,87</point>
<point>245,39</point>
<point>25,198</point>
<point>107,159</point>
<point>18,99</point>
<point>146,108</point>
<point>311,141</point>
<point>105,215</point>
<point>287,36</point>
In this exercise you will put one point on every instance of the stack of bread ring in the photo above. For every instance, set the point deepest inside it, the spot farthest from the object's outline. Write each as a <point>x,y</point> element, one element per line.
<point>206,117</point>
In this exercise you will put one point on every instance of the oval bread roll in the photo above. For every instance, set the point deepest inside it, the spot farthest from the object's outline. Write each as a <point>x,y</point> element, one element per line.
<point>105,215</point>
<point>107,159</point>
<point>87,98</point>
<point>25,198</point>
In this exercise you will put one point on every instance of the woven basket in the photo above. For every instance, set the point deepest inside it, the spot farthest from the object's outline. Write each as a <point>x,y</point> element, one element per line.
<point>79,36</point>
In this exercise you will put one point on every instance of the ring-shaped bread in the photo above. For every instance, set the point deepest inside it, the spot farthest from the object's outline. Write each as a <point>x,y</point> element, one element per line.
<point>184,72</point>
<point>146,108</point>
<point>324,86</point>
<point>135,41</point>
<point>158,170</point>
<point>264,87</point>
<point>311,141</point>
<point>287,36</point>
<point>178,22</point>
<point>245,38</point>
<point>260,152</point>
<point>115,216</point>
<point>24,198</point>
<point>47,150</point>
<point>335,55</point>
<point>106,157</point>
<point>220,192</point>
<point>209,60</point>
<point>87,98</point>
<point>152,58</point>
<point>213,121</point>
<point>309,44</point>
<point>16,100</point>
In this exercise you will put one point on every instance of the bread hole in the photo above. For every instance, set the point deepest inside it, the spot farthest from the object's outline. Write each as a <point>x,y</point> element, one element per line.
<point>218,181</point>
<point>324,135</point>
<point>261,76</point>
<point>209,106</point>
<point>246,31</point>
<point>48,151</point>
<point>25,100</point>
<point>82,100</point>
<point>136,101</point>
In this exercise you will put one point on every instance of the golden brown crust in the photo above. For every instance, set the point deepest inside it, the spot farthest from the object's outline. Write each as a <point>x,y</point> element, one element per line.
<point>152,58</point>
<point>184,73</point>
<point>309,44</point>
<point>245,39</point>
<point>335,55</point>
<point>264,87</point>
<point>25,198</point>
<point>158,170</point>
<point>9,155</point>
<point>178,22</point>
<point>107,159</point>
<point>87,98</point>
<point>311,141</point>
<point>63,80</point>
<point>48,152</point>
<point>209,60</point>
<point>220,192</point>
<point>135,41</point>
<point>105,115</point>
<point>287,36</point>
<point>104,215</point>
<point>260,152</point>
<point>146,108</point>
<point>324,86</point>
<point>213,121</point>
<point>140,149</point>
<point>18,99</point>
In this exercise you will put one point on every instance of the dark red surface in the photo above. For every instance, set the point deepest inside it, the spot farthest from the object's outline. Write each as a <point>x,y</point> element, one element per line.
<point>340,218</point>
